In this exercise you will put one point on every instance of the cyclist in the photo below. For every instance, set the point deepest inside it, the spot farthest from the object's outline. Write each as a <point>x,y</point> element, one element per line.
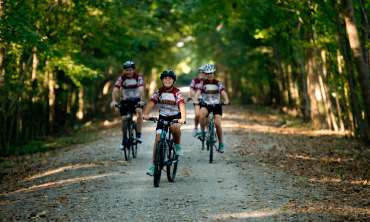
<point>128,91</point>
<point>171,106</point>
<point>211,92</point>
<point>195,86</point>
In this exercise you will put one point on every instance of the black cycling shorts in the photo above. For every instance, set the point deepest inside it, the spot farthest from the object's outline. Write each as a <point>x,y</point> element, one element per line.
<point>128,106</point>
<point>160,126</point>
<point>216,109</point>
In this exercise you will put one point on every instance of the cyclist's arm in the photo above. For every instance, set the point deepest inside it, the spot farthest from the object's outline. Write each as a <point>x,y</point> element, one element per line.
<point>191,93</point>
<point>225,97</point>
<point>115,96</point>
<point>196,97</point>
<point>183,112</point>
<point>147,109</point>
<point>142,92</point>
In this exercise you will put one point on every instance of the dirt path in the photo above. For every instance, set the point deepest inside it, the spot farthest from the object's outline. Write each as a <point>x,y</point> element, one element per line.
<point>91,182</point>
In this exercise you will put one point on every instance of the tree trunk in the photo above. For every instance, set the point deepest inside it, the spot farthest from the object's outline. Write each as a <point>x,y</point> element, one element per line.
<point>313,88</point>
<point>350,92</point>
<point>323,75</point>
<point>51,97</point>
<point>361,65</point>
<point>365,27</point>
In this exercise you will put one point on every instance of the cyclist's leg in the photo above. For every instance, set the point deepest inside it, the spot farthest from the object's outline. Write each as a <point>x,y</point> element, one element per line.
<point>197,116</point>
<point>139,122</point>
<point>176,133</point>
<point>218,118</point>
<point>218,127</point>
<point>203,115</point>
<point>123,112</point>
<point>150,170</point>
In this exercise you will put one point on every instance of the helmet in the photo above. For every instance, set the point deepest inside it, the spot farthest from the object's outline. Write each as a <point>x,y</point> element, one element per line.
<point>209,68</point>
<point>201,68</point>
<point>128,64</point>
<point>168,73</point>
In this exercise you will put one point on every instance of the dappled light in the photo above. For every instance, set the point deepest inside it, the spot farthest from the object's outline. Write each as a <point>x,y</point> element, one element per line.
<point>59,170</point>
<point>59,183</point>
<point>247,214</point>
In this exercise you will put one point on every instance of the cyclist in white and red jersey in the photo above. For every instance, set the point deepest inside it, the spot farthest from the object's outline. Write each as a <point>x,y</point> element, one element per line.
<point>212,91</point>
<point>128,91</point>
<point>195,86</point>
<point>171,106</point>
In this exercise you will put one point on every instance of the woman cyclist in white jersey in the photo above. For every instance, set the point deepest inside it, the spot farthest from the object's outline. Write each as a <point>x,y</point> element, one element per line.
<point>211,92</point>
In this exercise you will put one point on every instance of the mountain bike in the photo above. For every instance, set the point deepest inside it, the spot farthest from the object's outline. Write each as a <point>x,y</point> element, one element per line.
<point>165,156</point>
<point>129,141</point>
<point>210,138</point>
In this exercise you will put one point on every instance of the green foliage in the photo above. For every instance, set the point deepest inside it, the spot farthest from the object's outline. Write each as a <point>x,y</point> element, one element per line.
<point>250,41</point>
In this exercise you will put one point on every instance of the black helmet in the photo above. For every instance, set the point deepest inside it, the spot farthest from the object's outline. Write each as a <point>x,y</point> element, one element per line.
<point>128,64</point>
<point>168,73</point>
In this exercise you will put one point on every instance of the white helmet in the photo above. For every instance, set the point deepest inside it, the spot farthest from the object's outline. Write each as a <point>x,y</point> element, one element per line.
<point>209,68</point>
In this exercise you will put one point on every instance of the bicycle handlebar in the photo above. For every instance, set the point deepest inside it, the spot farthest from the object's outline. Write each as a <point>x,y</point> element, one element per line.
<point>156,119</point>
<point>118,105</point>
<point>222,104</point>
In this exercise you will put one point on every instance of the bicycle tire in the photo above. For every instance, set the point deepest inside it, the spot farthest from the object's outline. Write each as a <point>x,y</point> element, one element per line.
<point>126,146</point>
<point>158,162</point>
<point>210,142</point>
<point>132,141</point>
<point>172,168</point>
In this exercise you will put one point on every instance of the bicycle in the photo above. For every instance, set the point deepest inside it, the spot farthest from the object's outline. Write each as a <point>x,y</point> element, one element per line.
<point>129,141</point>
<point>165,155</point>
<point>210,139</point>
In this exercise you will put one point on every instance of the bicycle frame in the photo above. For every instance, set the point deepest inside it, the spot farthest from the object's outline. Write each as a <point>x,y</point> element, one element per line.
<point>165,155</point>
<point>129,141</point>
<point>211,137</point>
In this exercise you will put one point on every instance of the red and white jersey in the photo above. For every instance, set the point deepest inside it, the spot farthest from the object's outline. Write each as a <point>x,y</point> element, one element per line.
<point>130,86</point>
<point>168,101</point>
<point>196,85</point>
<point>211,91</point>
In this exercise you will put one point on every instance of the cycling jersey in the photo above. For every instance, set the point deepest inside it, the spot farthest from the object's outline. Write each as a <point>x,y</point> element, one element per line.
<point>130,86</point>
<point>168,101</point>
<point>211,91</point>
<point>196,84</point>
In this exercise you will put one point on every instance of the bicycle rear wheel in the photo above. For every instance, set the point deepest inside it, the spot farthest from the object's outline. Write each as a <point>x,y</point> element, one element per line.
<point>158,162</point>
<point>172,164</point>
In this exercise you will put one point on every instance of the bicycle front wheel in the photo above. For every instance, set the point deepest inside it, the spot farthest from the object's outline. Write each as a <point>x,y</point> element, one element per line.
<point>126,142</point>
<point>133,142</point>
<point>210,143</point>
<point>158,162</point>
<point>173,160</point>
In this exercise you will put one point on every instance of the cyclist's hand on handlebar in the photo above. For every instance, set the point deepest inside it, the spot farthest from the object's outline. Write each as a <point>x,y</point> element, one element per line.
<point>226,103</point>
<point>114,105</point>
<point>182,121</point>
<point>189,99</point>
<point>141,103</point>
<point>146,117</point>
